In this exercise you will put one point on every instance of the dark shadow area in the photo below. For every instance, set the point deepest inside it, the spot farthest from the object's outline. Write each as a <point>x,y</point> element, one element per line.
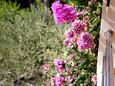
<point>23,3</point>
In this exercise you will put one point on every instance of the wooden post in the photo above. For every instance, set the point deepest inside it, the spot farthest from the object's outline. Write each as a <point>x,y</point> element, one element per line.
<point>106,25</point>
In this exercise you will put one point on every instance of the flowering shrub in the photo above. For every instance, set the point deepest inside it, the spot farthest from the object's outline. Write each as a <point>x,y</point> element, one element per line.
<point>78,66</point>
<point>72,74</point>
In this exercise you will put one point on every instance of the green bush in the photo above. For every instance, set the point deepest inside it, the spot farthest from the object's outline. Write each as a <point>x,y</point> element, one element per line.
<point>26,42</point>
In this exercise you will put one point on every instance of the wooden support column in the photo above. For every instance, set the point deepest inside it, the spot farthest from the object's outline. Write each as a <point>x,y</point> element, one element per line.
<point>105,25</point>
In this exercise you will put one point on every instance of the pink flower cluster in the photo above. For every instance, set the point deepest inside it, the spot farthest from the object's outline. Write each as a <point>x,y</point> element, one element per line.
<point>59,65</point>
<point>57,81</point>
<point>94,79</point>
<point>68,42</point>
<point>77,29</point>
<point>70,38</point>
<point>63,13</point>
<point>85,41</point>
<point>75,36</point>
<point>60,79</point>
<point>78,26</point>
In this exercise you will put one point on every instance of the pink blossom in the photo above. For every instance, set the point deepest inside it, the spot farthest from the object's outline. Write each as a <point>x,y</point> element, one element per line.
<point>52,81</point>
<point>69,79</point>
<point>70,45</point>
<point>85,41</point>
<point>63,13</point>
<point>94,79</point>
<point>69,13</point>
<point>59,65</point>
<point>57,7</point>
<point>69,33</point>
<point>73,39</point>
<point>59,80</point>
<point>46,67</point>
<point>78,26</point>
<point>66,42</point>
<point>57,18</point>
<point>68,69</point>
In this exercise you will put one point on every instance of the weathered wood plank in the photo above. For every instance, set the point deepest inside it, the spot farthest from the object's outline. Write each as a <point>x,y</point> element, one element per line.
<point>105,25</point>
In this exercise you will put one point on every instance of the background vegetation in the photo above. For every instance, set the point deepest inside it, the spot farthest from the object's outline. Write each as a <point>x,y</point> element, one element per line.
<point>27,42</point>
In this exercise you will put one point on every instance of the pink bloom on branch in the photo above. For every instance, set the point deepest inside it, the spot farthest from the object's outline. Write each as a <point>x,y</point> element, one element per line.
<point>56,7</point>
<point>63,13</point>
<point>73,39</point>
<point>57,11</point>
<point>78,26</point>
<point>69,33</point>
<point>69,13</point>
<point>69,79</point>
<point>66,42</point>
<point>57,18</point>
<point>59,65</point>
<point>46,67</point>
<point>70,45</point>
<point>52,81</point>
<point>85,41</point>
<point>59,80</point>
<point>68,69</point>
<point>94,79</point>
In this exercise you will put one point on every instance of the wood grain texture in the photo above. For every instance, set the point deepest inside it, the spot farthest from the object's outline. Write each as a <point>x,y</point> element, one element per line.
<point>105,25</point>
